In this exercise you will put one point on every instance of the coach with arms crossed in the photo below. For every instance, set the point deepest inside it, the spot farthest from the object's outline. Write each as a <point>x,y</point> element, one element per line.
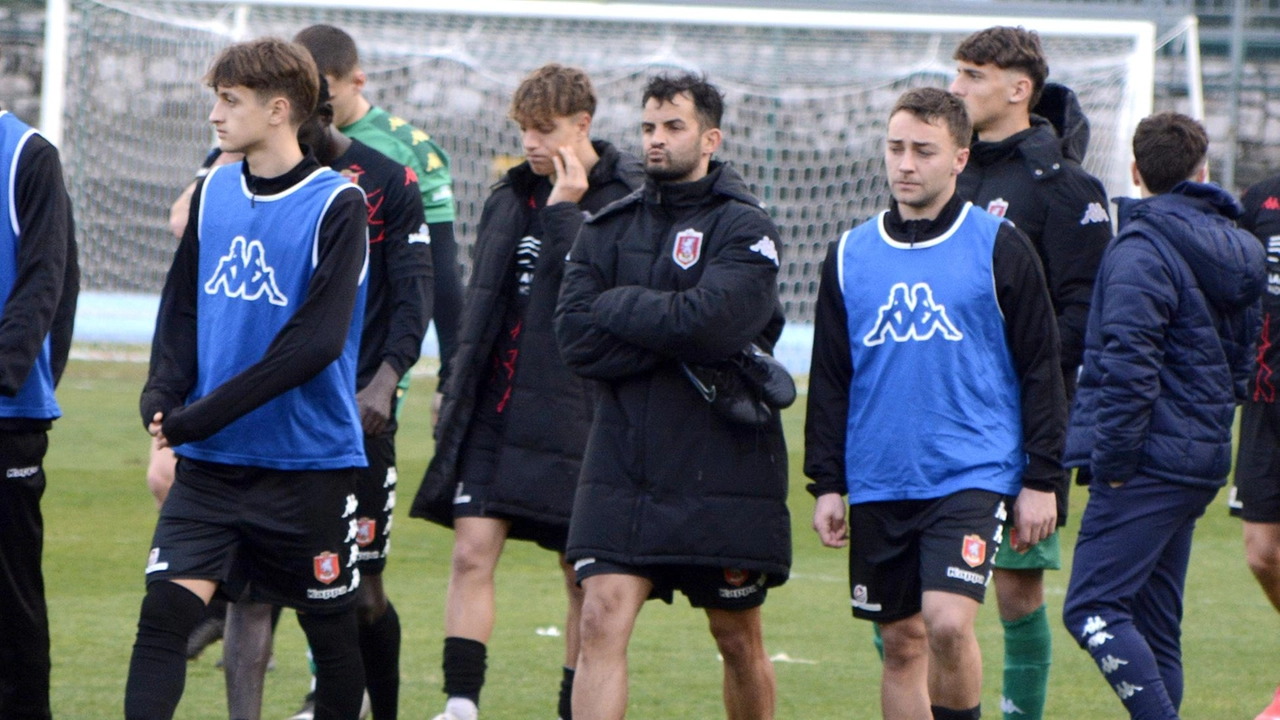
<point>672,495</point>
<point>944,304</point>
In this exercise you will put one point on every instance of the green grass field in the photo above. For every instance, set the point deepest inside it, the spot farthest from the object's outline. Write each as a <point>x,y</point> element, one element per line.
<point>99,518</point>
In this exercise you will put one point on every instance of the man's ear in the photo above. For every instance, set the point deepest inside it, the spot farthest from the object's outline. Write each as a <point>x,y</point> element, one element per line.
<point>582,123</point>
<point>358,78</point>
<point>1201,174</point>
<point>711,140</point>
<point>962,159</point>
<point>1021,89</point>
<point>278,110</point>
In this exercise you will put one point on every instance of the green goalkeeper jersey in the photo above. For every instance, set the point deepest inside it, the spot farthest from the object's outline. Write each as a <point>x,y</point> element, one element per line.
<point>397,139</point>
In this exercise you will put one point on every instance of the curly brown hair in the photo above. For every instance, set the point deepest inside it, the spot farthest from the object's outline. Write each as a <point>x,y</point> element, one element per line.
<point>552,91</point>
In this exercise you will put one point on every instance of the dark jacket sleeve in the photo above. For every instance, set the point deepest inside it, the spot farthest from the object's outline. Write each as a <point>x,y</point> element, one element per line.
<point>407,255</point>
<point>830,374</point>
<point>64,320</point>
<point>44,223</point>
<point>1032,332</point>
<point>560,225</point>
<point>1134,321</point>
<point>586,347</point>
<point>446,304</point>
<point>1073,242</point>
<point>312,339</point>
<point>172,374</point>
<point>728,308</point>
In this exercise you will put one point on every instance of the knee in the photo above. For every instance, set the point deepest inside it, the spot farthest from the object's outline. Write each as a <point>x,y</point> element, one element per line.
<point>371,600</point>
<point>904,644</point>
<point>472,556</point>
<point>738,642</point>
<point>949,634</point>
<point>1263,557</point>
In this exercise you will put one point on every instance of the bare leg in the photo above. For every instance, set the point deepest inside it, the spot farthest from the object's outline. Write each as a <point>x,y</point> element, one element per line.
<point>953,650</point>
<point>750,689</point>
<point>1018,592</point>
<point>1262,550</point>
<point>904,684</point>
<point>469,606</point>
<point>573,617</point>
<point>609,611</point>
<point>246,652</point>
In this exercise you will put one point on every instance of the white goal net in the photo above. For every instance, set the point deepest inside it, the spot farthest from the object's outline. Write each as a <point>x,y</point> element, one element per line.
<point>806,98</point>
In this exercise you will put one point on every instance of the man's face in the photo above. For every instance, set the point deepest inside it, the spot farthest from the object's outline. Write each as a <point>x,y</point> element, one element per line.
<point>923,161</point>
<point>543,144</point>
<point>241,119</point>
<point>676,147</point>
<point>344,95</point>
<point>315,133</point>
<point>987,91</point>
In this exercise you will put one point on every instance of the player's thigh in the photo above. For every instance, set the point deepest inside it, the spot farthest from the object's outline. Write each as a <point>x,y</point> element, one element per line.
<point>301,531</point>
<point>884,559</point>
<point>958,542</point>
<point>376,497</point>
<point>196,536</point>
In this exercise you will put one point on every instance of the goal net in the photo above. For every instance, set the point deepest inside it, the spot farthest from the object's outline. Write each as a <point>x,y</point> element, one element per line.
<point>807,94</point>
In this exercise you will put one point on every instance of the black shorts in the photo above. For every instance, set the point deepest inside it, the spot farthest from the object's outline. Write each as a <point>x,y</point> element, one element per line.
<point>1256,494</point>
<point>706,587</point>
<point>899,549</point>
<point>288,535</point>
<point>477,468</point>
<point>376,492</point>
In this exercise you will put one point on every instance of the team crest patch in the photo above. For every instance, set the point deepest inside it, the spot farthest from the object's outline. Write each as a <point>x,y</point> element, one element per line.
<point>688,248</point>
<point>326,567</point>
<point>735,577</point>
<point>367,532</point>
<point>974,550</point>
<point>998,207</point>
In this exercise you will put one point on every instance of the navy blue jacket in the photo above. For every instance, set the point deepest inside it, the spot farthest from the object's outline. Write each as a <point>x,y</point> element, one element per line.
<point>1169,344</point>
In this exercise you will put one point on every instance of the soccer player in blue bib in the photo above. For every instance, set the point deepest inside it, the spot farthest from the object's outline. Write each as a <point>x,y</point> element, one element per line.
<point>252,382</point>
<point>936,403</point>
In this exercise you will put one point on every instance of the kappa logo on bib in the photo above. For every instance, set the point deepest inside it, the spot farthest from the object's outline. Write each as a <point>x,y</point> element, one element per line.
<point>326,567</point>
<point>244,273</point>
<point>974,550</point>
<point>687,249</point>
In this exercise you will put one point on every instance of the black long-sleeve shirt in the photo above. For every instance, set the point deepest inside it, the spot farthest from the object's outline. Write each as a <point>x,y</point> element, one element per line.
<point>47,282</point>
<point>312,339</point>
<point>1031,329</point>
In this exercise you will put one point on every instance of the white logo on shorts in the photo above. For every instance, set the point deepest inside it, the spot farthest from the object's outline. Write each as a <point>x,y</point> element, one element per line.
<point>859,599</point>
<point>153,562</point>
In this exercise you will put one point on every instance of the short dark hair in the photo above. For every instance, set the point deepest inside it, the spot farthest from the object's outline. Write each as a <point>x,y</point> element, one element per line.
<point>270,67</point>
<point>1168,148</point>
<point>708,101</point>
<point>552,91</point>
<point>1008,48</point>
<point>333,49</point>
<point>928,104</point>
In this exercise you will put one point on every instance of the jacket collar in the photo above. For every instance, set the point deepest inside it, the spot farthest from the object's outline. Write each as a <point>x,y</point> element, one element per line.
<point>915,231</point>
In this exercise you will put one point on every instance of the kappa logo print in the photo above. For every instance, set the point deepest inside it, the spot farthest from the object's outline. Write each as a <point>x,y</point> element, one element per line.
<point>687,248</point>
<point>1094,214</point>
<point>765,247</point>
<point>1110,664</point>
<point>243,273</point>
<point>911,314</point>
<point>1126,690</point>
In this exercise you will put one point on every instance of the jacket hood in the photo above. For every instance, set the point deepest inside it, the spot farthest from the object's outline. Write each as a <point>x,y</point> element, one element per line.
<point>721,179</point>
<point>1197,220</point>
<point>1060,106</point>
<point>1059,131</point>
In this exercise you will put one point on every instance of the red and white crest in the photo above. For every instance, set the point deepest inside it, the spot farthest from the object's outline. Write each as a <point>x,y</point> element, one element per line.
<point>367,532</point>
<point>326,567</point>
<point>998,207</point>
<point>735,576</point>
<point>974,550</point>
<point>688,248</point>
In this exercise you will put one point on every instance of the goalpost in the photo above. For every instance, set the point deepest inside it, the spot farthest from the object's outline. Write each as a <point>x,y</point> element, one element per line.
<point>807,92</point>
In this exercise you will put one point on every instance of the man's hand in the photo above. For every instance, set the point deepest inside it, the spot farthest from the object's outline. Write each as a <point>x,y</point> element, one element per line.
<point>828,520</point>
<point>157,432</point>
<point>571,178</point>
<point>376,399</point>
<point>1035,517</point>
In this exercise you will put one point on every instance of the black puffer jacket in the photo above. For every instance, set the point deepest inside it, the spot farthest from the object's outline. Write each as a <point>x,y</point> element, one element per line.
<point>676,272</point>
<point>1034,178</point>
<point>549,413</point>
